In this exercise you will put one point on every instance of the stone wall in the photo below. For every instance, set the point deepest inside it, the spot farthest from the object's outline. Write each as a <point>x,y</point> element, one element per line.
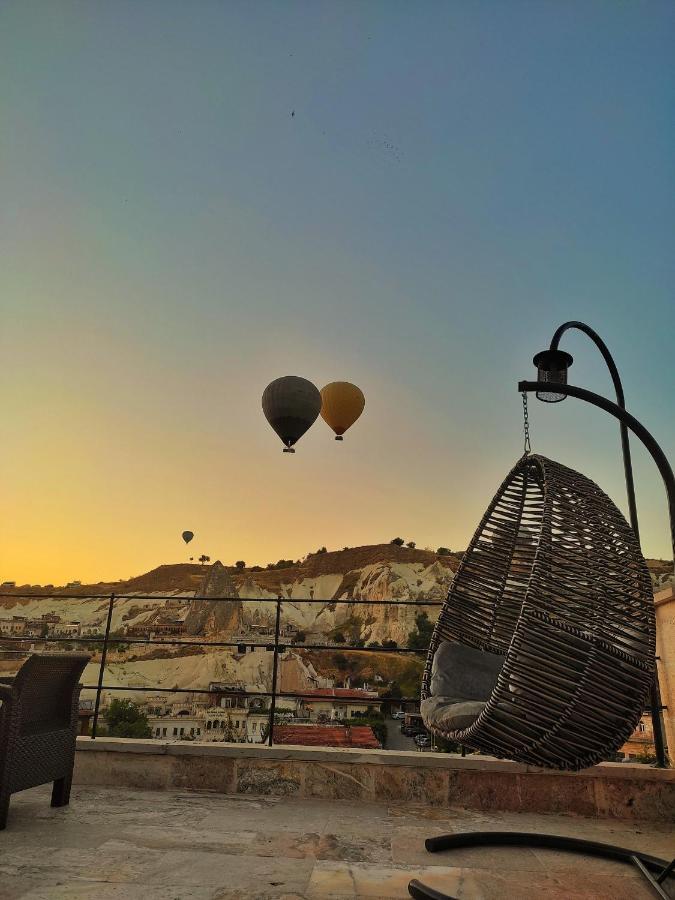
<point>664,603</point>
<point>610,790</point>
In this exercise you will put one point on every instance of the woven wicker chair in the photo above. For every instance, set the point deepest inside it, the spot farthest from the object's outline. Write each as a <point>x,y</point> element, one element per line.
<point>555,585</point>
<point>38,726</point>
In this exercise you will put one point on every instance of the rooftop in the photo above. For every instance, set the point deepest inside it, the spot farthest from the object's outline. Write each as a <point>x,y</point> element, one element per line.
<point>341,693</point>
<point>130,844</point>
<point>326,736</point>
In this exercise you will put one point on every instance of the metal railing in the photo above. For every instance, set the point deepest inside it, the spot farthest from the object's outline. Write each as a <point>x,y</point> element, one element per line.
<point>277,645</point>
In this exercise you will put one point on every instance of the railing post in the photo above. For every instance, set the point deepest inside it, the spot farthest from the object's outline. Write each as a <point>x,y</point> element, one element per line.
<point>275,666</point>
<point>104,654</point>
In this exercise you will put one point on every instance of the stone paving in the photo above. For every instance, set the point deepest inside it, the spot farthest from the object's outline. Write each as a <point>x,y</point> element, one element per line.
<point>125,844</point>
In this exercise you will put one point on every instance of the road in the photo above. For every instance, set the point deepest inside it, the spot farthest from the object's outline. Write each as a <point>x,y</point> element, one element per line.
<point>396,740</point>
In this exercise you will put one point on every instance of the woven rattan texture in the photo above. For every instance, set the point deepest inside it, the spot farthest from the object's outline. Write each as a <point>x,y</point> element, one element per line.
<point>38,725</point>
<point>555,581</point>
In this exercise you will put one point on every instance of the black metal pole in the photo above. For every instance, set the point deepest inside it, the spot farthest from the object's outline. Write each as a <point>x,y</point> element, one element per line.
<point>620,401</point>
<point>104,653</point>
<point>273,703</point>
<point>655,690</point>
<point>664,468</point>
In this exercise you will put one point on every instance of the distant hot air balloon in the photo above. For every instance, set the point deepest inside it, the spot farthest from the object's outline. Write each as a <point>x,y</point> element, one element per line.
<point>187,536</point>
<point>291,406</point>
<point>341,405</point>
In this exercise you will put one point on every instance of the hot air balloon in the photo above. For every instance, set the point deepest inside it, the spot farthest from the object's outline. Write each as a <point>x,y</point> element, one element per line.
<point>291,406</point>
<point>341,405</point>
<point>187,536</point>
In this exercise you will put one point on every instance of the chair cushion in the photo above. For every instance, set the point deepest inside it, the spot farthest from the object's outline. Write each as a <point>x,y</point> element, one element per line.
<point>462,680</point>
<point>449,715</point>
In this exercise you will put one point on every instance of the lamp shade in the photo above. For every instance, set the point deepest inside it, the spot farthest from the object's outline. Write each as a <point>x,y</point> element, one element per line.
<point>552,366</point>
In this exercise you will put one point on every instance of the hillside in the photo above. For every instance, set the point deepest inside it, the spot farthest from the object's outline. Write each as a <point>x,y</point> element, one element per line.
<point>374,572</point>
<point>182,595</point>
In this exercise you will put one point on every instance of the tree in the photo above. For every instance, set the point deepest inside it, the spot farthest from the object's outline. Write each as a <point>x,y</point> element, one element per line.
<point>256,568</point>
<point>240,564</point>
<point>393,692</point>
<point>411,545</point>
<point>125,719</point>
<point>374,645</point>
<point>281,564</point>
<point>398,541</point>
<point>321,550</point>
<point>339,637</point>
<point>300,637</point>
<point>389,645</point>
<point>204,559</point>
<point>443,551</point>
<point>420,638</point>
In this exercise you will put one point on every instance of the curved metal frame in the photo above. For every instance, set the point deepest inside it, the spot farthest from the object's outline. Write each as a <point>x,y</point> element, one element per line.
<point>653,869</point>
<point>655,692</point>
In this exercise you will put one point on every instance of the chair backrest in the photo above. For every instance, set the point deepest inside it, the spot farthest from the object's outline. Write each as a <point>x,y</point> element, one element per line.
<point>45,683</point>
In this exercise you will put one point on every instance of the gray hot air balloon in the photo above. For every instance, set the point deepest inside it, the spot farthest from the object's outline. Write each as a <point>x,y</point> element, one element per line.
<point>187,536</point>
<point>291,406</point>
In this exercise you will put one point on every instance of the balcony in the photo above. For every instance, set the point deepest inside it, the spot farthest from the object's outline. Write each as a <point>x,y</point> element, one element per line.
<point>203,822</point>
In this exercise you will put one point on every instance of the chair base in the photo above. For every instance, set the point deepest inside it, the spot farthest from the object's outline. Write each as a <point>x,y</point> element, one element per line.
<point>653,870</point>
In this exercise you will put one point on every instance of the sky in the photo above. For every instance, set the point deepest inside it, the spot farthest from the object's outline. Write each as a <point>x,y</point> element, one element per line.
<point>198,198</point>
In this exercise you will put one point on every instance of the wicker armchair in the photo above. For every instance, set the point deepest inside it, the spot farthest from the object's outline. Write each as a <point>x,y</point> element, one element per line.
<point>38,726</point>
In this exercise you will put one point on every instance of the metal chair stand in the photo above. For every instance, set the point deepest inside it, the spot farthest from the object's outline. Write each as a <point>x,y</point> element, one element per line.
<point>655,871</point>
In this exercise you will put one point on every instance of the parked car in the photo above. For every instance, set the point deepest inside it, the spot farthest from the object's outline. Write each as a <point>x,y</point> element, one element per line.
<point>423,741</point>
<point>411,730</point>
<point>399,714</point>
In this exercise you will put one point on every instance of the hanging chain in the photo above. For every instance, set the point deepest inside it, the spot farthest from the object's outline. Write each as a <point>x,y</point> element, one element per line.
<point>526,426</point>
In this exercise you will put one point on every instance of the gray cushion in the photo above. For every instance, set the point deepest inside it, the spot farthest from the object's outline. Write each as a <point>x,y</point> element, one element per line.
<point>463,672</point>
<point>448,715</point>
<point>462,680</point>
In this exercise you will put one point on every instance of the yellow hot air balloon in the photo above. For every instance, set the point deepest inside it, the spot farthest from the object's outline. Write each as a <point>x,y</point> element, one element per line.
<point>341,405</point>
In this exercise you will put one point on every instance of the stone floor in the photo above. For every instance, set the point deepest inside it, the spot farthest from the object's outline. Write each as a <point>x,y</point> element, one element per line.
<point>134,845</point>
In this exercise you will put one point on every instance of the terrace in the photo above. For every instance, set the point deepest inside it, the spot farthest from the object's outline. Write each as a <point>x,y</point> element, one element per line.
<point>204,822</point>
<point>185,819</point>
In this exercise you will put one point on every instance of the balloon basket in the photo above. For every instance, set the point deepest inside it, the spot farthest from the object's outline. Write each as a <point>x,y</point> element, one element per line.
<point>339,437</point>
<point>289,450</point>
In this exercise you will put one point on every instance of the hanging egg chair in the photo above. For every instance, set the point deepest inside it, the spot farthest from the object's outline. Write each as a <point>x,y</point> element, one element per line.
<point>543,652</point>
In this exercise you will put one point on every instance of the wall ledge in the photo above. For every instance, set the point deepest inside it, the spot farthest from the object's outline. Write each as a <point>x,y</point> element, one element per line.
<point>349,756</point>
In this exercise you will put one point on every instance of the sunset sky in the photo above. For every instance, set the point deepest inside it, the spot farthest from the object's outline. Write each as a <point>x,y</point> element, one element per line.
<point>457,180</point>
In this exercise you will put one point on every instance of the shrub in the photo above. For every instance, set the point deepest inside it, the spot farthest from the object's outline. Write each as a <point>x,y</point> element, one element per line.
<point>378,726</point>
<point>398,541</point>
<point>125,719</point>
<point>420,638</point>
